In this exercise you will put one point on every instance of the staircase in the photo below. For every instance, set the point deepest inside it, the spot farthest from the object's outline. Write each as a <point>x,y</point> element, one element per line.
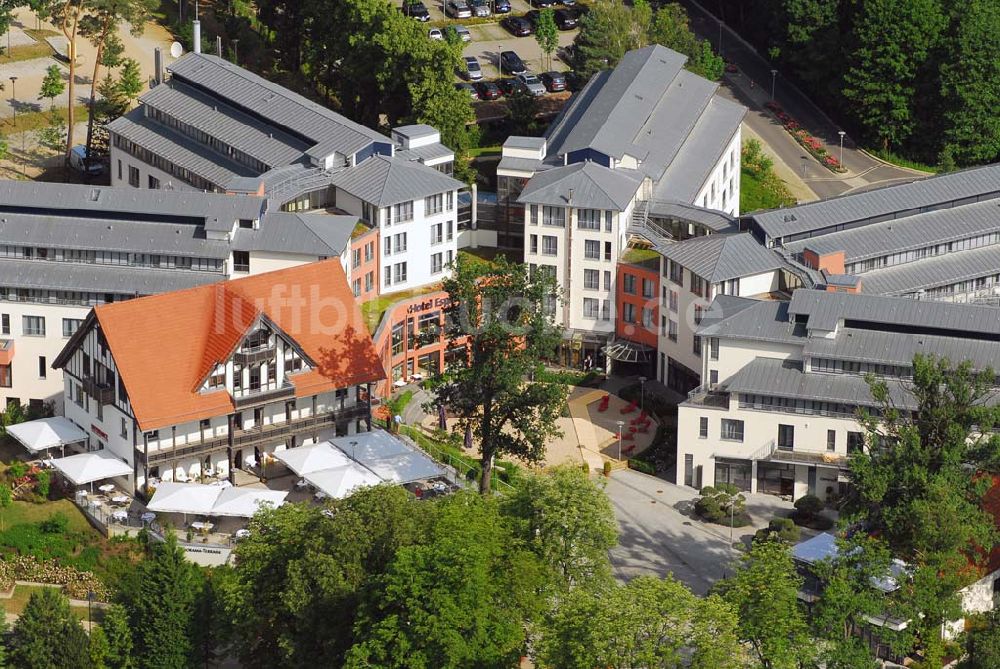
<point>300,183</point>
<point>642,226</point>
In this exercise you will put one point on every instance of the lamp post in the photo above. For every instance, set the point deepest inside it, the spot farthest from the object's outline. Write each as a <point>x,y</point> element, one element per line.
<point>732,517</point>
<point>13,81</point>
<point>774,78</point>
<point>621,424</point>
<point>499,59</point>
<point>236,59</point>
<point>720,38</point>
<point>90,619</point>
<point>354,445</point>
<point>841,133</point>
<point>642,393</point>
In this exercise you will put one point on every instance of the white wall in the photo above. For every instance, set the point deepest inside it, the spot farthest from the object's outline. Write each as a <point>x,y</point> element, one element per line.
<point>145,171</point>
<point>721,189</point>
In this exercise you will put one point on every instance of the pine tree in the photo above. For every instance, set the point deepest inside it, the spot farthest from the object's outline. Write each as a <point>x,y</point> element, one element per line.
<point>119,638</point>
<point>130,83</point>
<point>47,635</point>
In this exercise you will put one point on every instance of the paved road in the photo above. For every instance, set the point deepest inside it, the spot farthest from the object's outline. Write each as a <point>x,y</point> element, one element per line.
<point>864,172</point>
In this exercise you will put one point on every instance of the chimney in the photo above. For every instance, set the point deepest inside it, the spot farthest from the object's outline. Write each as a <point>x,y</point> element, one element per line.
<point>196,35</point>
<point>157,66</point>
<point>218,46</point>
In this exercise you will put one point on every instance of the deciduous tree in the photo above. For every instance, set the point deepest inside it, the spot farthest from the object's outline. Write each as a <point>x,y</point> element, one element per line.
<point>52,86</point>
<point>504,316</point>
<point>547,34</point>
<point>608,30</point>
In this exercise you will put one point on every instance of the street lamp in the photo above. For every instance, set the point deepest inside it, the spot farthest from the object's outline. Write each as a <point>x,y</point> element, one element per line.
<point>642,393</point>
<point>13,81</point>
<point>720,38</point>
<point>90,618</point>
<point>353,448</point>
<point>841,133</point>
<point>236,59</point>
<point>774,76</point>
<point>621,424</point>
<point>499,59</point>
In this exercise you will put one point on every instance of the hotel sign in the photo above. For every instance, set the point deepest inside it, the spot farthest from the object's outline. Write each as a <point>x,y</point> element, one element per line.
<point>417,307</point>
<point>99,432</point>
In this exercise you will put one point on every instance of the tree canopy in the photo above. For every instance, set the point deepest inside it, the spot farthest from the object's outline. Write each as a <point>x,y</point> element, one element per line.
<point>47,634</point>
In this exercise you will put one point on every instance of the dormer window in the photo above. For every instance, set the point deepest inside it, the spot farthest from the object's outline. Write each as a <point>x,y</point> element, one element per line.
<point>218,377</point>
<point>257,339</point>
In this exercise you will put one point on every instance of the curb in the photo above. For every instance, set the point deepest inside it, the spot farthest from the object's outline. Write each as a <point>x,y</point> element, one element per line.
<point>894,165</point>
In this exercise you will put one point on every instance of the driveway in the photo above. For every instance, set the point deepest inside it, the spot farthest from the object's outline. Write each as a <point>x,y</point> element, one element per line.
<point>657,535</point>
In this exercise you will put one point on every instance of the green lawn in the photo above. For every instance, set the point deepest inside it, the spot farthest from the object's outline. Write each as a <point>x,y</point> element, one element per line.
<point>372,310</point>
<point>764,191</point>
<point>25,52</point>
<point>484,151</point>
<point>638,256</point>
<point>890,157</point>
<point>38,119</point>
<point>20,513</point>
<point>22,593</point>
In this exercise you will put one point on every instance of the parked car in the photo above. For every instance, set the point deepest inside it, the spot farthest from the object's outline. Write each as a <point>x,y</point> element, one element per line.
<point>511,63</point>
<point>435,33</point>
<point>509,86</point>
<point>517,26</point>
<point>458,9</point>
<point>488,90</point>
<point>531,83</point>
<point>461,31</point>
<point>416,10</point>
<point>501,7</point>
<point>473,71</point>
<point>78,161</point>
<point>480,8</point>
<point>553,81</point>
<point>541,4</point>
<point>568,3</point>
<point>565,19</point>
<point>462,86</point>
<point>532,17</point>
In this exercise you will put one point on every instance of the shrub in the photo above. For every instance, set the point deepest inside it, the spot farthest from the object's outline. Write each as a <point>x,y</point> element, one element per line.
<point>641,466</point>
<point>43,486</point>
<point>586,467</point>
<point>722,504</point>
<point>54,524</point>
<point>607,468</point>
<point>779,529</point>
<point>17,469</point>
<point>809,506</point>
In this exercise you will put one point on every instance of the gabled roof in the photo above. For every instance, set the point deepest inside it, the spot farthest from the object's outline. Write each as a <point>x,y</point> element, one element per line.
<point>742,318</point>
<point>718,258</point>
<point>592,186</point>
<point>198,328</point>
<point>384,181</point>
<point>939,271</point>
<point>309,234</point>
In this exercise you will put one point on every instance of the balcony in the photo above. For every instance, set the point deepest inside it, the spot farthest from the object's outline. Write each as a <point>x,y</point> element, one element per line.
<point>6,351</point>
<point>252,397</point>
<point>820,458</point>
<point>265,435</point>
<point>104,393</point>
<point>255,355</point>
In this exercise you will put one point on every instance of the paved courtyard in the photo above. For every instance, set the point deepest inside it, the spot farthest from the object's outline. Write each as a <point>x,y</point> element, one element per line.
<point>658,536</point>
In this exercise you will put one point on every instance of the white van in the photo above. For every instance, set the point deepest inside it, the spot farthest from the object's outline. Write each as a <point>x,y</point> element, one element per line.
<point>78,161</point>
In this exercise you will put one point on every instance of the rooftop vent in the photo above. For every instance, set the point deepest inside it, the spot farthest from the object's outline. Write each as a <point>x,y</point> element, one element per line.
<point>95,194</point>
<point>788,218</point>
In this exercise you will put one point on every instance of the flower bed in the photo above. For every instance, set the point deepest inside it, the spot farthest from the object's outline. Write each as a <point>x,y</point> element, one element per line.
<point>811,144</point>
<point>77,583</point>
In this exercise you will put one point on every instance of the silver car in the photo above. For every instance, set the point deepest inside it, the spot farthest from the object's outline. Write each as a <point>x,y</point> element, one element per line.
<point>531,83</point>
<point>458,9</point>
<point>480,8</point>
<point>473,71</point>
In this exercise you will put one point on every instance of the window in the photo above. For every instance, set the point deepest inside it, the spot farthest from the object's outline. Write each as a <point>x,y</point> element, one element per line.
<point>124,429</point>
<point>42,367</point>
<point>647,318</point>
<point>388,275</point>
<point>451,199</point>
<point>607,280</point>
<point>356,258</point>
<point>606,310</point>
<point>399,272</point>
<point>70,326</point>
<point>218,377</point>
<point>713,377</point>
<point>591,249</point>
<point>591,279</point>
<point>555,216</point>
<point>713,347</point>
<point>703,427</point>
<point>388,246</point>
<point>449,230</point>
<point>400,243</point>
<point>133,176</point>
<point>5,324</point>
<point>696,346</point>
<point>786,437</point>
<point>628,283</point>
<point>434,204</point>
<point>673,301</point>
<point>241,261</point>
<point>607,251</point>
<point>628,313</point>
<point>534,214</point>
<point>732,430</point>
<point>647,288</point>
<point>672,330</point>
<point>437,233</point>
<point>33,326</point>
<point>697,285</point>
<point>437,263</point>
<point>403,212</point>
<point>369,251</point>
<point>119,170</point>
<point>356,287</point>
<point>532,243</point>
<point>698,314</point>
<point>550,245</point>
<point>591,308</point>
<point>831,440</point>
<point>855,442</point>
<point>676,273</point>
<point>5,376</point>
<point>608,218</point>
<point>369,281</point>
<point>154,183</point>
<point>588,219</point>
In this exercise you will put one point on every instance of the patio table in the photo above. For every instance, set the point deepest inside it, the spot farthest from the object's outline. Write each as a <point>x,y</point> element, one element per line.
<point>107,487</point>
<point>148,516</point>
<point>204,527</point>
<point>120,499</point>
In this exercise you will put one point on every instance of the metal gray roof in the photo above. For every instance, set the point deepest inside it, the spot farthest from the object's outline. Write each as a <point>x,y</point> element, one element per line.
<point>232,127</point>
<point>434,151</point>
<point>692,165</point>
<point>718,258</point>
<point>68,232</point>
<point>415,130</point>
<point>77,199</point>
<point>593,186</point>
<point>826,309</point>
<point>275,103</point>
<point>178,149</point>
<point>962,187</point>
<point>755,320</point>
<point>913,232</point>
<point>384,181</point>
<point>711,219</point>
<point>944,270</point>
<point>521,142</point>
<point>531,165</point>
<point>785,378</point>
<point>897,348</point>
<point>120,280</point>
<point>306,234</point>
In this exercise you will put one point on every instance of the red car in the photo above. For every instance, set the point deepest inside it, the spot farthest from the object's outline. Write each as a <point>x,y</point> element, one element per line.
<point>488,90</point>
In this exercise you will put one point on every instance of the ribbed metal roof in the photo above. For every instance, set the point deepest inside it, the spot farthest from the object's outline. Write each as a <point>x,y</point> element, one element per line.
<point>940,271</point>
<point>121,280</point>
<point>276,104</point>
<point>754,320</point>
<point>913,232</point>
<point>592,186</point>
<point>384,181</point>
<point>826,309</point>
<point>965,186</point>
<point>718,258</point>
<point>305,234</point>
<point>512,164</point>
<point>896,348</point>
<point>712,219</point>
<point>434,151</point>
<point>230,126</point>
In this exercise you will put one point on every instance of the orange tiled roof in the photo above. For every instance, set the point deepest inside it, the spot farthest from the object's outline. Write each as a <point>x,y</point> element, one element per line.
<point>165,345</point>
